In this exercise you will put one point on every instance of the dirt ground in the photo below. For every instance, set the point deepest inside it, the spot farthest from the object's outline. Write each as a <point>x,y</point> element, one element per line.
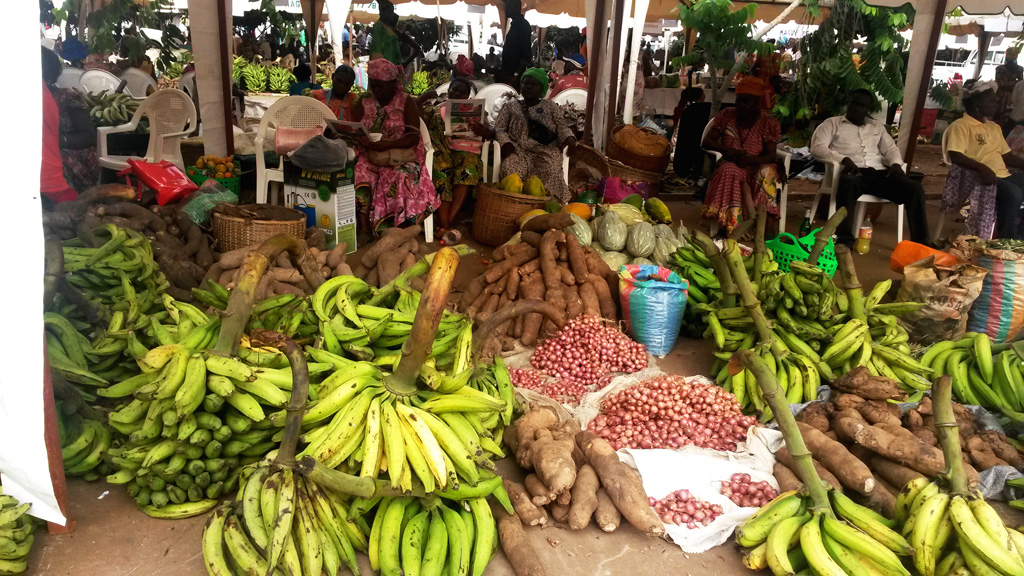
<point>112,538</point>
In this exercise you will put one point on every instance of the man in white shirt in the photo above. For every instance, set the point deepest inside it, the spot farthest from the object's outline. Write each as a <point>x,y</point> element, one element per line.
<point>871,164</point>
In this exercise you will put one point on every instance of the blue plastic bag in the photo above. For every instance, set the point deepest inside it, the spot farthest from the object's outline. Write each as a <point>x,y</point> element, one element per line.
<point>653,301</point>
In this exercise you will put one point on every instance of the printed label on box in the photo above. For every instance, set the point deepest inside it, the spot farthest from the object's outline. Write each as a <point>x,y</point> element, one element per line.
<point>329,201</point>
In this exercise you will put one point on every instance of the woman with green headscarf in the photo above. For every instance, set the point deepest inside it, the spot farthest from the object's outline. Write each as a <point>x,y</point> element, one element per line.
<point>532,133</point>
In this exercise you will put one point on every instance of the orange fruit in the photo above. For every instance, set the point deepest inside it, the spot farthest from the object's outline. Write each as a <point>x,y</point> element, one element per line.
<point>221,168</point>
<point>199,163</point>
<point>218,175</point>
<point>228,175</point>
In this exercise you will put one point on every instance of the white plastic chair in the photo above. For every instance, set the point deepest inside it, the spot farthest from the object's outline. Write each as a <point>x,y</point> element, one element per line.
<point>830,187</point>
<point>139,83</point>
<point>171,115</point>
<point>290,112</point>
<point>186,83</point>
<point>96,81</point>
<point>442,89</point>
<point>428,161</point>
<point>786,158</point>
<point>70,78</point>
<point>575,96</point>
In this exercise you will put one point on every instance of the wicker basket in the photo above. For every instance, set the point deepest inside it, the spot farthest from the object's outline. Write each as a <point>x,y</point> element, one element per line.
<point>240,226</point>
<point>585,161</point>
<point>630,174</point>
<point>642,162</point>
<point>497,212</point>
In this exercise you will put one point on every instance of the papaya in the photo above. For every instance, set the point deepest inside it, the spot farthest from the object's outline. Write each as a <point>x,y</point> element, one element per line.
<point>512,184</point>
<point>534,187</point>
<point>580,209</point>
<point>635,200</point>
<point>658,211</point>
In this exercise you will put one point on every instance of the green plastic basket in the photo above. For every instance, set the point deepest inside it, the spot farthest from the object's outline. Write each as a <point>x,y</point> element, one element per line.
<point>786,248</point>
<point>234,183</point>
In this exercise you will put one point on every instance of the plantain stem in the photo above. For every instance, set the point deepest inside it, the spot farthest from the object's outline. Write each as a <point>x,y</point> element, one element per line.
<point>720,267</point>
<point>760,249</point>
<point>787,425</point>
<point>300,390</point>
<point>348,484</point>
<point>824,234</point>
<point>749,298</point>
<point>949,434</point>
<point>854,291</point>
<point>418,346</point>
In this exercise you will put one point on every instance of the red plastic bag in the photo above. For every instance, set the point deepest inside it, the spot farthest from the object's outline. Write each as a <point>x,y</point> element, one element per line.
<point>907,252</point>
<point>166,179</point>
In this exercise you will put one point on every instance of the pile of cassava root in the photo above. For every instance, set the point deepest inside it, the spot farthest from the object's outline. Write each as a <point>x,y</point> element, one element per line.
<point>393,253</point>
<point>867,446</point>
<point>550,267</point>
<point>281,277</point>
<point>575,475</point>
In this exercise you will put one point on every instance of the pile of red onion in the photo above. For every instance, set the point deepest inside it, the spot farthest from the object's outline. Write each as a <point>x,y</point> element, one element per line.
<point>669,412</point>
<point>586,349</point>
<point>567,390</point>
<point>683,509</point>
<point>748,494</point>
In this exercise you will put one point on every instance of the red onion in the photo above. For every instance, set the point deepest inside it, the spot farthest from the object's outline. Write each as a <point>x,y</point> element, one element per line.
<point>670,412</point>
<point>682,509</point>
<point>745,493</point>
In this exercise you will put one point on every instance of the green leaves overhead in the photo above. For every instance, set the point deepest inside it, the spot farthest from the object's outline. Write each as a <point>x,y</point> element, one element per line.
<point>722,32</point>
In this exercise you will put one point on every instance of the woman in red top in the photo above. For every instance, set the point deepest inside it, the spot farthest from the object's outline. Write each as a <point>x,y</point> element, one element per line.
<point>51,175</point>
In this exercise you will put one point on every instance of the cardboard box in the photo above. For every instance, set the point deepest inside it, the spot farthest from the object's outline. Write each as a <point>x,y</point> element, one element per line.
<point>327,198</point>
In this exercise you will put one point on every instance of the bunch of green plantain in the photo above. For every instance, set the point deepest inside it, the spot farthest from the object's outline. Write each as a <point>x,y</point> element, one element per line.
<point>280,79</point>
<point>110,108</point>
<point>790,536</point>
<point>255,77</point>
<point>983,374</point>
<point>84,442</point>
<point>956,533</point>
<point>16,528</point>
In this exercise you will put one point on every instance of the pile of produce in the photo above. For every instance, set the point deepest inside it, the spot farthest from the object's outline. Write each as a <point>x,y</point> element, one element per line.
<point>671,412</point>
<point>280,79</point>
<point>110,108</point>
<point>281,278</point>
<point>16,535</point>
<point>182,249</point>
<point>575,476</point>
<point>84,439</point>
<point>983,374</point>
<point>215,167</point>
<point>684,509</point>
<point>513,184</point>
<point>817,527</point>
<point>394,252</point>
<point>255,77</point>
<point>547,272</point>
<point>624,234</point>
<point>580,358</point>
<point>744,492</point>
<point>887,449</point>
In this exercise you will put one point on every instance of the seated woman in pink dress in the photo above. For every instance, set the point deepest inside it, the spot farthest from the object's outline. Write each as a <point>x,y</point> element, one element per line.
<point>747,176</point>
<point>392,186</point>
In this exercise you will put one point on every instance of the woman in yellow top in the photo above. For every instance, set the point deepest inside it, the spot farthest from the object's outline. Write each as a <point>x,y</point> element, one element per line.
<point>976,144</point>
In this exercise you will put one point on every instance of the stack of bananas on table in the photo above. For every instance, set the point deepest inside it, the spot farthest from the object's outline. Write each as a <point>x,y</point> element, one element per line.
<point>979,378</point>
<point>280,79</point>
<point>16,536</point>
<point>255,77</point>
<point>788,536</point>
<point>954,533</point>
<point>238,66</point>
<point>84,442</point>
<point>110,108</point>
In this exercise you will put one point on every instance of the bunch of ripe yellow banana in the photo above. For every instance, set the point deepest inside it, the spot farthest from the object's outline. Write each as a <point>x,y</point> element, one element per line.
<point>788,536</point>
<point>956,533</point>
<point>283,520</point>
<point>983,374</point>
<point>16,528</point>
<point>193,417</point>
<point>84,442</point>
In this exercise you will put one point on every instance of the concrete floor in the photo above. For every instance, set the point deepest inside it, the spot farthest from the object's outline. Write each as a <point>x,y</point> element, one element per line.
<point>113,538</point>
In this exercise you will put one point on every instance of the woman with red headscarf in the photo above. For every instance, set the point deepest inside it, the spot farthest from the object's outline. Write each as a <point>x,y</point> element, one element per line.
<point>746,136</point>
<point>392,187</point>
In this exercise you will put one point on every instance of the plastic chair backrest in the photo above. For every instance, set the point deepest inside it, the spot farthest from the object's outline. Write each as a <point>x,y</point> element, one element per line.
<point>295,112</point>
<point>187,83</point>
<point>442,89</point>
<point>492,92</point>
<point>138,82</point>
<point>96,81</point>
<point>428,148</point>
<point>575,96</point>
<point>169,111</point>
<point>70,78</point>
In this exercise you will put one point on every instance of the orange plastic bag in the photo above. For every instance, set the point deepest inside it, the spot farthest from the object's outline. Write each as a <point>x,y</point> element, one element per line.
<point>907,252</point>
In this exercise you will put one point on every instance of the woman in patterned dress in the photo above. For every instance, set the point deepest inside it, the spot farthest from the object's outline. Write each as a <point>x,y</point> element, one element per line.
<point>391,195</point>
<point>532,133</point>
<point>747,176</point>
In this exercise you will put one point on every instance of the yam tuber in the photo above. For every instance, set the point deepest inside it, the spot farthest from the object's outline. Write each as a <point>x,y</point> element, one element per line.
<point>606,514</point>
<point>786,478</point>
<point>868,386</point>
<point>875,412</point>
<point>392,239</point>
<point>526,510</point>
<point>535,419</point>
<point>894,473</point>
<point>925,459</point>
<point>545,222</point>
<point>552,460</point>
<point>1003,449</point>
<point>879,500</point>
<point>560,512</point>
<point>783,456</point>
<point>540,495</point>
<point>520,554</point>
<point>588,297</point>
<point>816,415</point>
<point>584,498</point>
<point>850,471</point>
<point>337,255</point>
<point>516,259</point>
<point>844,401</point>
<point>621,483</point>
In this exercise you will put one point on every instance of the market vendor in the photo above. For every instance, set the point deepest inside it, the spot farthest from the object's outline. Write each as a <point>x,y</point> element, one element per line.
<point>871,164</point>
<point>303,73</point>
<point>747,176</point>
<point>51,175</point>
<point>976,143</point>
<point>532,133</point>
<point>391,186</point>
<point>386,40</point>
<point>339,98</point>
